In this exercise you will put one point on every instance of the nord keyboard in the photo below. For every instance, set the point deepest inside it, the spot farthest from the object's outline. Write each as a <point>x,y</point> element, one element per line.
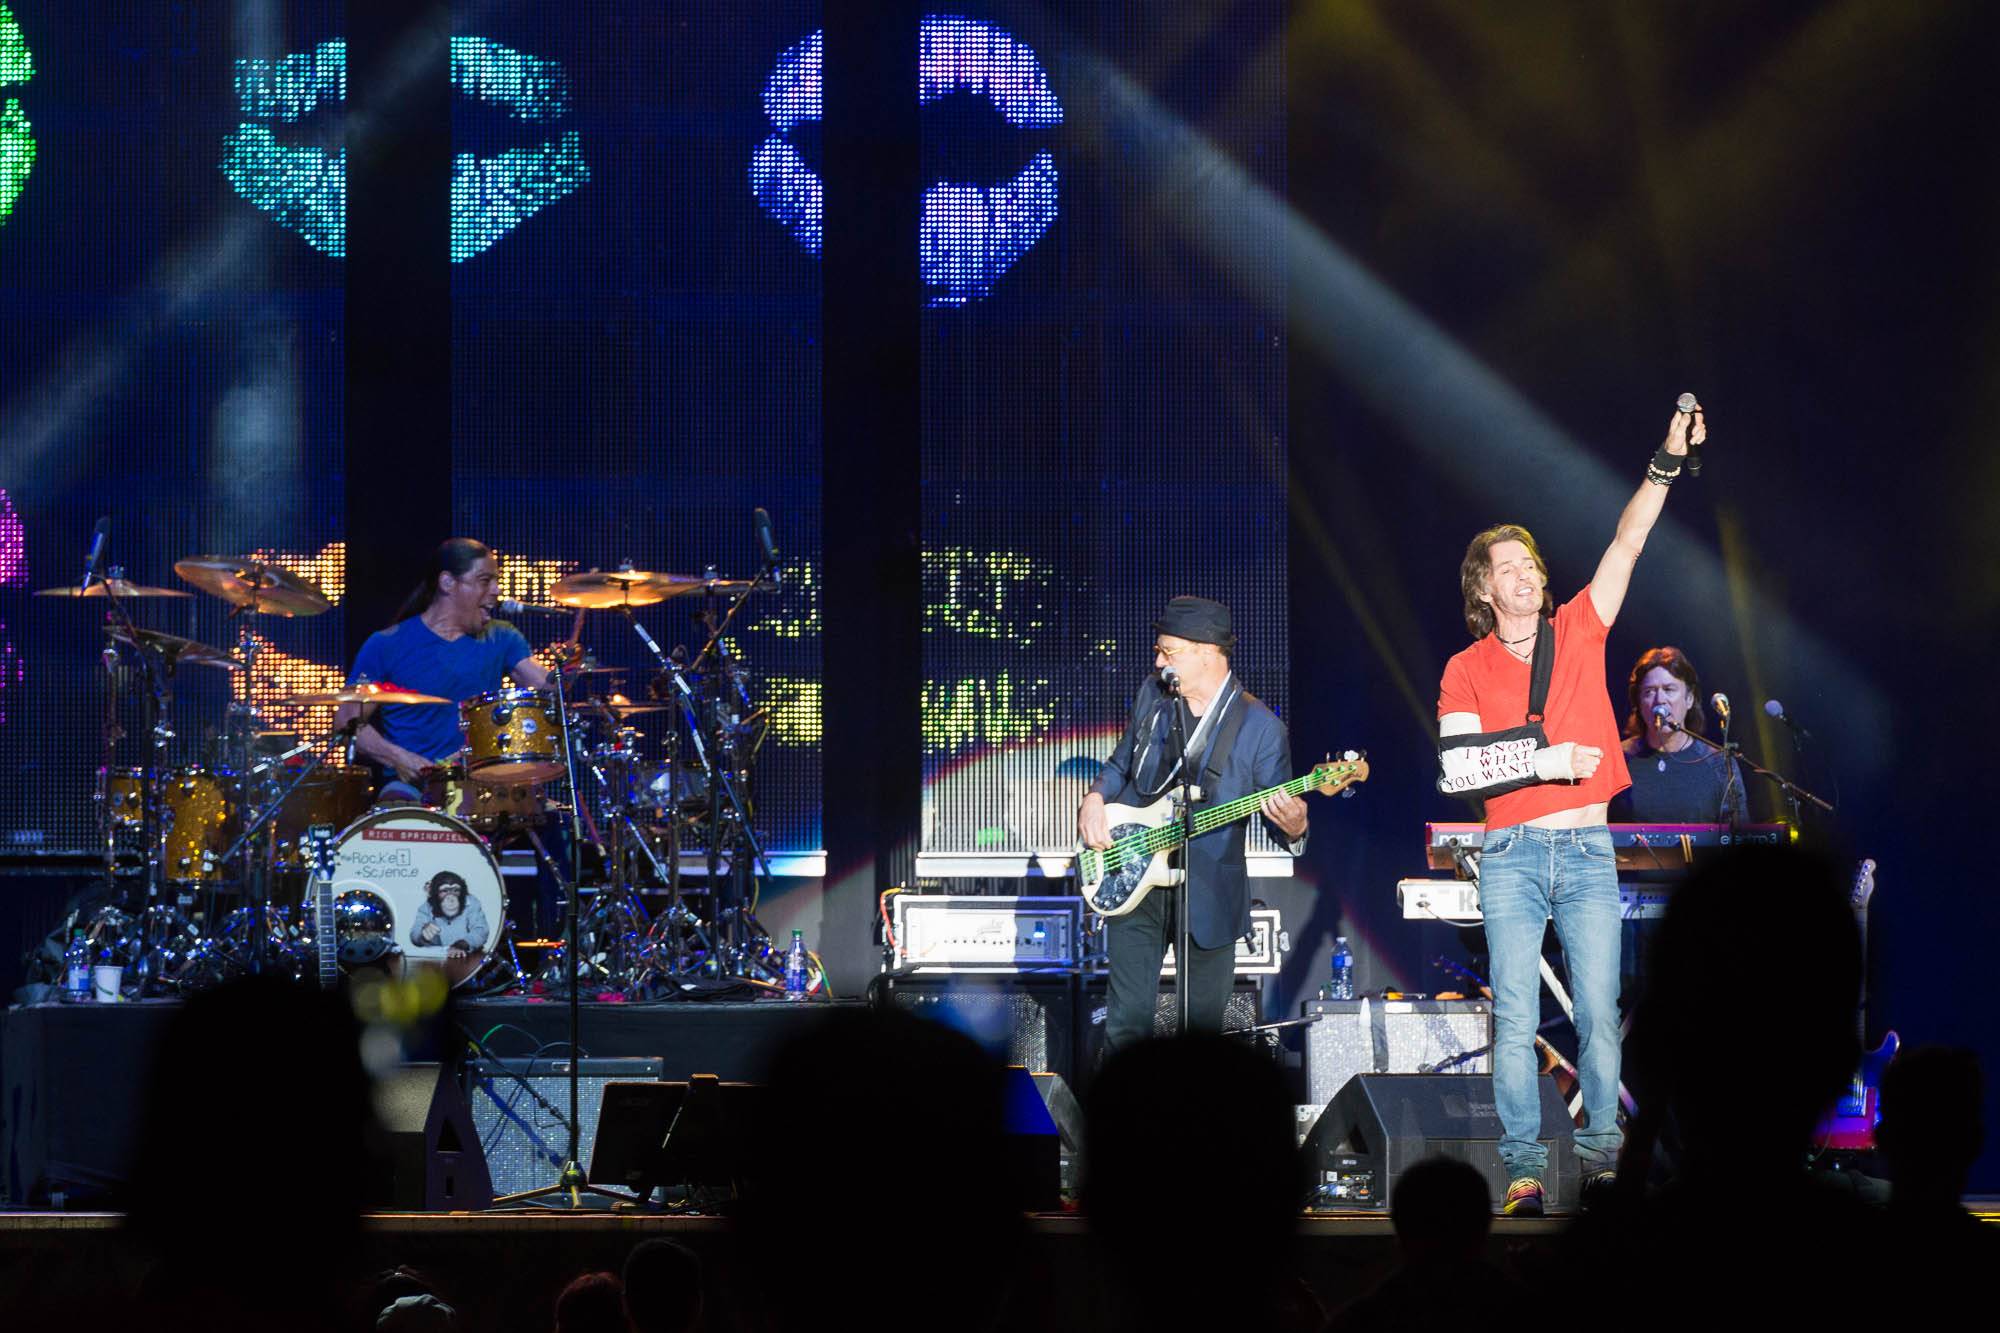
<point>1639,846</point>
<point>1457,901</point>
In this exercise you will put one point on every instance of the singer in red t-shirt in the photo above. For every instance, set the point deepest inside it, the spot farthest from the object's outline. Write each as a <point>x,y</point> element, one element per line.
<point>1547,850</point>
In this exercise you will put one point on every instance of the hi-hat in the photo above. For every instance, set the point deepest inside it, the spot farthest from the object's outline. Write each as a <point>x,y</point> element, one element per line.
<point>363,693</point>
<point>603,589</point>
<point>114,587</point>
<point>173,647</point>
<point>243,580</point>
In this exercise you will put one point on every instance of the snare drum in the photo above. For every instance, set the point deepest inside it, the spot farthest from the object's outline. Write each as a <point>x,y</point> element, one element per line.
<point>489,807</point>
<point>511,736</point>
<point>421,882</point>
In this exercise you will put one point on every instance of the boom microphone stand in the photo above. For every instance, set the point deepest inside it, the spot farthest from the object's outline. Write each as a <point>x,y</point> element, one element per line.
<point>570,1180</point>
<point>1794,793</point>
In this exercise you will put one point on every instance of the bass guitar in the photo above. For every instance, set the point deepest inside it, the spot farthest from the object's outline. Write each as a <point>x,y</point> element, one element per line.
<point>320,838</point>
<point>1118,878</point>
<point>1850,1125</point>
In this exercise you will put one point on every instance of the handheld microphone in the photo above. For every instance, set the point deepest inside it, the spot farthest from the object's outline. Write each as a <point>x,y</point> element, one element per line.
<point>95,560</point>
<point>1170,681</point>
<point>1687,403</point>
<point>1774,709</point>
<point>510,607</point>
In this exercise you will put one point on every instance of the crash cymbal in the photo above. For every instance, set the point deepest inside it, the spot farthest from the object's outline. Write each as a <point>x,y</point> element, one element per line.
<point>602,589</point>
<point>243,580</point>
<point>363,693</point>
<point>173,647</point>
<point>114,588</point>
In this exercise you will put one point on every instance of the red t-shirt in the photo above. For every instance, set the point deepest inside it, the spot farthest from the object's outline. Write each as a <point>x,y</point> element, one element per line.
<point>1488,680</point>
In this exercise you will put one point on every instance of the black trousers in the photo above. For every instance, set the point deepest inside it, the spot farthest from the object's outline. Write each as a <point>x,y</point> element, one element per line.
<point>1137,943</point>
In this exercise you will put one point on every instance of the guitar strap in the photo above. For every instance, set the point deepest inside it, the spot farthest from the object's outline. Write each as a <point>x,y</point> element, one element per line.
<point>1224,742</point>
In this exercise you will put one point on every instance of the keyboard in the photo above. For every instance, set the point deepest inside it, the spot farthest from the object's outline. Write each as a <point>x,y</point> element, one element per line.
<point>1639,846</point>
<point>1457,901</point>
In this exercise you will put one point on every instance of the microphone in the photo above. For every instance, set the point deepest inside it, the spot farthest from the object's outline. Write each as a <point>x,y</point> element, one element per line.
<point>760,519</point>
<point>1660,712</point>
<point>510,607</point>
<point>1772,708</point>
<point>95,560</point>
<point>1687,403</point>
<point>1720,703</point>
<point>1170,681</point>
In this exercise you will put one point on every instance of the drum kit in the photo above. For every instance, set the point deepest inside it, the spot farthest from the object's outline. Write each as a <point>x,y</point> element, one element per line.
<point>212,864</point>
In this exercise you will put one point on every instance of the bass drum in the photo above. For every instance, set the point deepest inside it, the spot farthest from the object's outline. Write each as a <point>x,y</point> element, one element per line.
<point>420,884</point>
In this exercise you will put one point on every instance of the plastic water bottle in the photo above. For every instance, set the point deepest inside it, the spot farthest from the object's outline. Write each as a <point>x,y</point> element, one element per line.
<point>76,969</point>
<point>1343,970</point>
<point>795,967</point>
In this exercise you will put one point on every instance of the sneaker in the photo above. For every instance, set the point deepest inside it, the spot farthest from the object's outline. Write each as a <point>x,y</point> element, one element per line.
<point>1524,1198</point>
<point>1599,1191</point>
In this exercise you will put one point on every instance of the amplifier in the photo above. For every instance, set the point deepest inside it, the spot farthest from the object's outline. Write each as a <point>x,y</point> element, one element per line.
<point>1374,1036</point>
<point>525,1141</point>
<point>1260,954</point>
<point>970,932</point>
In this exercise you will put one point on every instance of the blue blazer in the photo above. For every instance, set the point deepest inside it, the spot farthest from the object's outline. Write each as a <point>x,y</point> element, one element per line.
<point>1219,904</point>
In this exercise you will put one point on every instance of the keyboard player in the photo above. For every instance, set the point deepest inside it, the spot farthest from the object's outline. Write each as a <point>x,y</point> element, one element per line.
<point>1675,778</point>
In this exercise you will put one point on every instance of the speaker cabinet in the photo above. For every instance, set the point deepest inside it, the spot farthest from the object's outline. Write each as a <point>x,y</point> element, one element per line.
<point>1019,1020</point>
<point>519,1108</point>
<point>1389,1121</point>
<point>1375,1036</point>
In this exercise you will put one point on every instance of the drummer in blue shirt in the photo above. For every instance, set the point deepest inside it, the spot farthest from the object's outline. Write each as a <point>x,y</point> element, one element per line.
<point>447,643</point>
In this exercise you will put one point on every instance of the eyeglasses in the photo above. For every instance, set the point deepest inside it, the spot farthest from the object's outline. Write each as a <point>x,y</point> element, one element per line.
<point>1171,653</point>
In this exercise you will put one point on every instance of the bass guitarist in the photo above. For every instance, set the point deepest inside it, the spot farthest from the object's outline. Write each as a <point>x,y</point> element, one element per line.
<point>1236,746</point>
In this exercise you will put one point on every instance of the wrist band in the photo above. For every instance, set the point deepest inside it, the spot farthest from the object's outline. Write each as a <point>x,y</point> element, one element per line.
<point>1666,462</point>
<point>1659,478</point>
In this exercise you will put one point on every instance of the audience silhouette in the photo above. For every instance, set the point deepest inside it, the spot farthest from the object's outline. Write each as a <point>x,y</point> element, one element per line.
<point>1443,1214</point>
<point>1191,1184</point>
<point>663,1287</point>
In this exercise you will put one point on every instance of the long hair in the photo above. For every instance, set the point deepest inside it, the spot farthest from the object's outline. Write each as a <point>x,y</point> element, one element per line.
<point>454,556</point>
<point>1675,661</point>
<point>1478,567</point>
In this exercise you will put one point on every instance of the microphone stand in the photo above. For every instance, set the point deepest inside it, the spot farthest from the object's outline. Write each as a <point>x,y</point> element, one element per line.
<point>1183,895</point>
<point>1794,793</point>
<point>570,1180</point>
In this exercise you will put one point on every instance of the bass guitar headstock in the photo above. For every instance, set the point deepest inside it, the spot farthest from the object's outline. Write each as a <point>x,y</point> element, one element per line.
<point>322,840</point>
<point>1337,775</point>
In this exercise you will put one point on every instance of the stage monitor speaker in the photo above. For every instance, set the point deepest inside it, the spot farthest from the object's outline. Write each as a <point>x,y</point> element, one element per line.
<point>519,1107</point>
<point>1019,1020</point>
<point>1391,1121</point>
<point>1034,1142</point>
<point>435,1164</point>
<point>1376,1036</point>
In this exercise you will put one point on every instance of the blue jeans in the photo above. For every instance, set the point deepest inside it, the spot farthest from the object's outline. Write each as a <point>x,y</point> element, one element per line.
<point>1525,876</point>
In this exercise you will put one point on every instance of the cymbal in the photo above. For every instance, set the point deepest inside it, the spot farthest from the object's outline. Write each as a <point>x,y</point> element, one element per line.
<point>243,580</point>
<point>619,706</point>
<point>114,588</point>
<point>603,589</point>
<point>594,671</point>
<point>173,647</point>
<point>363,693</point>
